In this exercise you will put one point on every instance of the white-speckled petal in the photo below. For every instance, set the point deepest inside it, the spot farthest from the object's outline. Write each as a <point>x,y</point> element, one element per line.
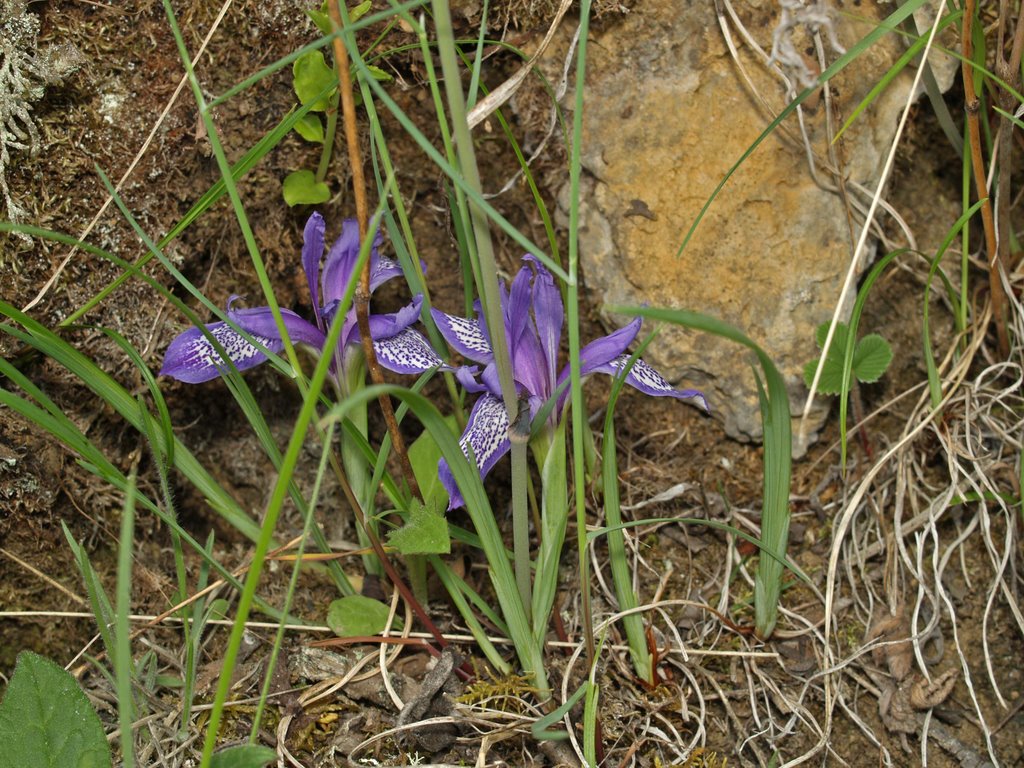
<point>406,352</point>
<point>487,434</point>
<point>650,382</point>
<point>465,336</point>
<point>192,358</point>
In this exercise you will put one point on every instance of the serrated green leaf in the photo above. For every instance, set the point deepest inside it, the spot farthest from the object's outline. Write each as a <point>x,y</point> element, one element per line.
<point>357,616</point>
<point>46,721</point>
<point>871,358</point>
<point>425,532</point>
<point>243,756</point>
<point>831,380</point>
<point>301,187</point>
<point>310,76</point>
<point>310,128</point>
<point>837,349</point>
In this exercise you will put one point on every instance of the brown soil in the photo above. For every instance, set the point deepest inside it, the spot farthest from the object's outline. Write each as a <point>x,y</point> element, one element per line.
<point>101,116</point>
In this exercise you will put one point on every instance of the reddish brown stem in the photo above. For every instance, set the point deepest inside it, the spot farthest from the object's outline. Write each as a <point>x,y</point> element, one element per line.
<point>362,298</point>
<point>972,106</point>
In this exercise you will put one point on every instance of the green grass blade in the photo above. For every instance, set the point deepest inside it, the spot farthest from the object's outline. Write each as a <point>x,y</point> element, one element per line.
<point>890,24</point>
<point>778,446</point>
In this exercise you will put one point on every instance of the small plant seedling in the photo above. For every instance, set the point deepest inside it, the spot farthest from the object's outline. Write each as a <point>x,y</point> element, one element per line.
<point>312,77</point>
<point>871,358</point>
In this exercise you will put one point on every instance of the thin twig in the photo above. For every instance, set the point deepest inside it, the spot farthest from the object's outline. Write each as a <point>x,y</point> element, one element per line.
<point>972,105</point>
<point>362,297</point>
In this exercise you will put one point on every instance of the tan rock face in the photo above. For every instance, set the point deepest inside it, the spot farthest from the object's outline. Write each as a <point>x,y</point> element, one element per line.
<point>667,114</point>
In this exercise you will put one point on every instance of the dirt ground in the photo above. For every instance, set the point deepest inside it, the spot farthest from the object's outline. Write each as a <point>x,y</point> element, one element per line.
<point>738,698</point>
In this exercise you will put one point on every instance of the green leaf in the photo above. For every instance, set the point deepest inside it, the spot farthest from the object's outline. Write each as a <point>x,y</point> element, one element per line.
<point>378,74</point>
<point>424,455</point>
<point>244,756</point>
<point>831,380</point>
<point>355,14</point>
<point>871,358</point>
<point>310,76</point>
<point>424,533</point>
<point>310,128</point>
<point>301,187</point>
<point>357,616</point>
<point>321,19</point>
<point>46,720</point>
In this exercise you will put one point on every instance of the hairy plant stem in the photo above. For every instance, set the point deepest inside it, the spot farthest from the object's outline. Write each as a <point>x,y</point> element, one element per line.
<point>972,106</point>
<point>490,294</point>
<point>339,20</point>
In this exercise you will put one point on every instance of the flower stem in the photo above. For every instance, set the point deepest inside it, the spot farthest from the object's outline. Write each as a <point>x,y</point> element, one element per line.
<point>489,291</point>
<point>339,18</point>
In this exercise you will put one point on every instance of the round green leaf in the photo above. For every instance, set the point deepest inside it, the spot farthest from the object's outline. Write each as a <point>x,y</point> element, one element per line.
<point>310,128</point>
<point>301,187</point>
<point>310,76</point>
<point>357,616</point>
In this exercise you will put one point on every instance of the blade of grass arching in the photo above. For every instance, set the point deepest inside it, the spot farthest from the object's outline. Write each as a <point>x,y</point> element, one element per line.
<point>847,380</point>
<point>454,585</point>
<point>244,397</point>
<point>98,599</point>
<point>489,292</point>
<point>478,506</point>
<point>778,446</point>
<point>934,385</point>
<point>203,204</point>
<point>889,24</point>
<point>453,175</point>
<point>572,319</point>
<point>622,575</point>
<point>478,59</point>
<point>122,633</point>
<point>92,459</point>
<point>309,524</point>
<point>941,111</point>
<point>112,393</point>
<point>276,502</point>
<point>232,190</point>
<point>159,460</point>
<point>900,64</point>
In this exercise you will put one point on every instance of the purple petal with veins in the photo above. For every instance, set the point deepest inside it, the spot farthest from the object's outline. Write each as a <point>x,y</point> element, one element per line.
<point>465,336</point>
<point>312,253</point>
<point>645,378</point>
<point>548,314</point>
<point>192,358</point>
<point>406,352</point>
<point>383,269</point>
<point>487,434</point>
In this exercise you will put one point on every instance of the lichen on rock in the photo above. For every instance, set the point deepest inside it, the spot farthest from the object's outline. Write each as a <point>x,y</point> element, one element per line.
<point>25,71</point>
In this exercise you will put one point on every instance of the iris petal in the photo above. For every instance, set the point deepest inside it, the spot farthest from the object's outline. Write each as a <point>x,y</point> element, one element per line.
<point>645,378</point>
<point>406,352</point>
<point>465,336</point>
<point>193,359</point>
<point>487,434</point>
<point>312,252</point>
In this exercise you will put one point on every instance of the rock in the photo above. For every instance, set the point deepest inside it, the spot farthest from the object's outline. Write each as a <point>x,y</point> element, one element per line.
<point>667,112</point>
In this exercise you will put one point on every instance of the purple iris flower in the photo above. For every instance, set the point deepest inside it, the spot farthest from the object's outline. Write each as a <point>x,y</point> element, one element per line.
<point>192,358</point>
<point>534,316</point>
